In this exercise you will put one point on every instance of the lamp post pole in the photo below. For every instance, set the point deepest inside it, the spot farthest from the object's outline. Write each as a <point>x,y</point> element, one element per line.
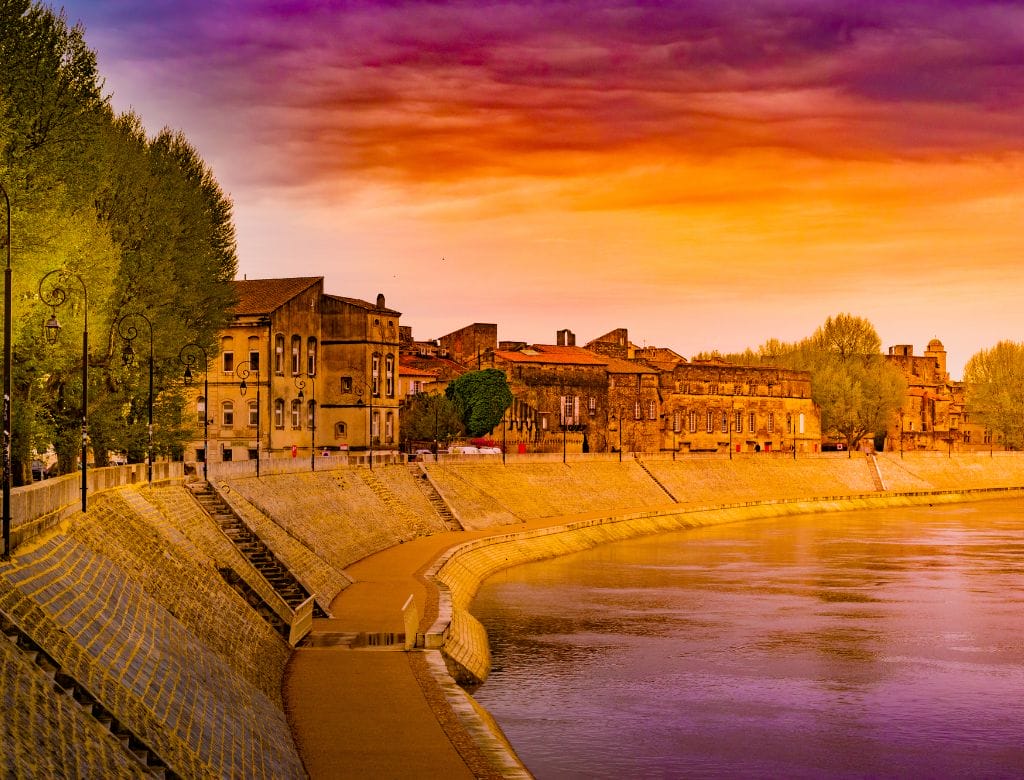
<point>7,388</point>
<point>188,355</point>
<point>243,370</point>
<point>54,297</point>
<point>301,384</point>
<point>128,330</point>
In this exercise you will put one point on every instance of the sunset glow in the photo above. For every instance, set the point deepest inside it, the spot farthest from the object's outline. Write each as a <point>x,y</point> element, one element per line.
<point>707,174</point>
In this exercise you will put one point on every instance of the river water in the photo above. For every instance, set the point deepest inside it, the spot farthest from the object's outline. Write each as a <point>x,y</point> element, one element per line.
<point>883,643</point>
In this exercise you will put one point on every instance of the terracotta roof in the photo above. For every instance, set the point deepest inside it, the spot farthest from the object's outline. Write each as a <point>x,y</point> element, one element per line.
<point>263,296</point>
<point>618,366</point>
<point>546,353</point>
<point>407,369</point>
<point>364,305</point>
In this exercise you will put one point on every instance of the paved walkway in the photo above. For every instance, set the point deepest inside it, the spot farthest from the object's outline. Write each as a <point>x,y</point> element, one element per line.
<point>379,712</point>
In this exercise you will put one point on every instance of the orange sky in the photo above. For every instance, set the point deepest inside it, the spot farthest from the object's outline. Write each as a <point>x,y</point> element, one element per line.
<point>706,174</point>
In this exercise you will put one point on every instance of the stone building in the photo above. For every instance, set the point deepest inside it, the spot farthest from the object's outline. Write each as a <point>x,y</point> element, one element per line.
<point>467,346</point>
<point>933,416</point>
<point>312,364</point>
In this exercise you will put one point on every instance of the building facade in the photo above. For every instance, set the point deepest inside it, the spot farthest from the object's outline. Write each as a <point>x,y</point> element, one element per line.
<point>298,372</point>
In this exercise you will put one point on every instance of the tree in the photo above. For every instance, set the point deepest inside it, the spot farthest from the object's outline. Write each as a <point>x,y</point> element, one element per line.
<point>994,385</point>
<point>430,418</point>
<point>481,398</point>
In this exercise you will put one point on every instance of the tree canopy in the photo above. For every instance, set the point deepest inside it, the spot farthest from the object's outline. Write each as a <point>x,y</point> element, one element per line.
<point>994,385</point>
<point>427,417</point>
<point>141,221</point>
<point>481,398</point>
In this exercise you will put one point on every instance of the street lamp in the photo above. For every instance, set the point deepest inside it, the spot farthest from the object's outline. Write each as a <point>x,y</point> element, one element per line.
<point>301,384</point>
<point>243,370</point>
<point>54,297</point>
<point>127,328</point>
<point>7,388</point>
<point>188,355</point>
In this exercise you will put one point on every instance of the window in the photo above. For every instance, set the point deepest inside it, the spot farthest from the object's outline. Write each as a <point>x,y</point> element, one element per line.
<point>592,405</point>
<point>709,421</point>
<point>311,356</point>
<point>254,361</point>
<point>725,422</point>
<point>227,414</point>
<point>771,422</point>
<point>279,413</point>
<point>311,414</point>
<point>254,414</point>
<point>751,422</point>
<point>738,422</point>
<point>789,423</point>
<point>693,422</point>
<point>200,455</point>
<point>226,453</point>
<point>296,348</point>
<point>389,376</point>
<point>637,411</point>
<point>279,353</point>
<point>346,384</point>
<point>676,422</point>
<point>652,410</point>
<point>375,375</point>
<point>389,427</point>
<point>296,413</point>
<point>967,439</point>
<point>801,422</point>
<point>227,355</point>
<point>340,430</point>
<point>375,426</point>
<point>201,409</point>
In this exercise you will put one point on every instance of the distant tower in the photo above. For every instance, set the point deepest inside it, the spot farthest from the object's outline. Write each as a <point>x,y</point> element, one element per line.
<point>937,351</point>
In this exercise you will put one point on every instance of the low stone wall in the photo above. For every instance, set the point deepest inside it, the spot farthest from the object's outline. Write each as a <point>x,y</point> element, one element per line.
<point>459,572</point>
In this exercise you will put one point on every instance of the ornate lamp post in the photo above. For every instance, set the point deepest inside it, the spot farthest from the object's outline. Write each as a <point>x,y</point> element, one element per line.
<point>7,388</point>
<point>301,384</point>
<point>53,297</point>
<point>242,370</point>
<point>189,355</point>
<point>127,329</point>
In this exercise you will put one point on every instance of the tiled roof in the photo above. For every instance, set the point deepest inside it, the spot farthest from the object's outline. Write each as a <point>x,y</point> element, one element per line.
<point>617,366</point>
<point>546,353</point>
<point>364,305</point>
<point>405,368</point>
<point>263,296</point>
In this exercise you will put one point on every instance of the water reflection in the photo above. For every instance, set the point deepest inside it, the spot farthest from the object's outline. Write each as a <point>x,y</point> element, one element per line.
<point>875,644</point>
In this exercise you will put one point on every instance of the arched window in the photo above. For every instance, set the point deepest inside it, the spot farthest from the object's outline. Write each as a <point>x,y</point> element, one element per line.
<point>375,425</point>
<point>296,413</point>
<point>227,414</point>
<point>389,427</point>
<point>254,414</point>
<point>279,413</point>
<point>201,409</point>
<point>296,357</point>
<point>375,375</point>
<point>311,414</point>
<point>279,353</point>
<point>311,356</point>
<point>340,430</point>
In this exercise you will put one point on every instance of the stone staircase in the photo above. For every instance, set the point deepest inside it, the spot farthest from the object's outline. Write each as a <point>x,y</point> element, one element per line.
<point>66,685</point>
<point>656,480</point>
<point>257,553</point>
<point>439,504</point>
<point>876,474</point>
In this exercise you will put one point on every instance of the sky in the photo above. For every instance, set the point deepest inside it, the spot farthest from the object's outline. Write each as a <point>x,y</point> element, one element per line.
<point>708,174</point>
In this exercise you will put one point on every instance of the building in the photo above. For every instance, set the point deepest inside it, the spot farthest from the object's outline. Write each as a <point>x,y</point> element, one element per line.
<point>933,416</point>
<point>299,370</point>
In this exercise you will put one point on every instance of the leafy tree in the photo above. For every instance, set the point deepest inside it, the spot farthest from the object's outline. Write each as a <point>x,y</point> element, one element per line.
<point>430,418</point>
<point>481,398</point>
<point>994,384</point>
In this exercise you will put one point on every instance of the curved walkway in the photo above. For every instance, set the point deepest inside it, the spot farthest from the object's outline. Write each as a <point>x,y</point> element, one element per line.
<point>378,712</point>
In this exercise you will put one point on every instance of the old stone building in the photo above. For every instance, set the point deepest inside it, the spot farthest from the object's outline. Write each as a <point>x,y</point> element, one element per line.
<point>319,371</point>
<point>933,416</point>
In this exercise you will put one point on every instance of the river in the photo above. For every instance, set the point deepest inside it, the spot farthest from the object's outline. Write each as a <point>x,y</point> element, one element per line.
<point>882,643</point>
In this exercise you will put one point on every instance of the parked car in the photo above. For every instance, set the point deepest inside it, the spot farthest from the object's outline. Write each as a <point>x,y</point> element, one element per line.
<point>489,450</point>
<point>464,450</point>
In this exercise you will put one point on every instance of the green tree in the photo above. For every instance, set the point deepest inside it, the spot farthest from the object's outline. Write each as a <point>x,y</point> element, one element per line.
<point>994,384</point>
<point>430,418</point>
<point>481,398</point>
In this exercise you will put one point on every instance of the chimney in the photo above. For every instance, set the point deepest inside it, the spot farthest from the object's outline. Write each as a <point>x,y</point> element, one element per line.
<point>380,300</point>
<point>565,338</point>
